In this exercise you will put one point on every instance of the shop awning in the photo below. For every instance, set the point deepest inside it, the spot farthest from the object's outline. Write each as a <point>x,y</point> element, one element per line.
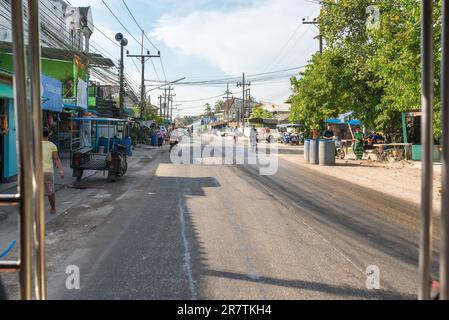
<point>6,91</point>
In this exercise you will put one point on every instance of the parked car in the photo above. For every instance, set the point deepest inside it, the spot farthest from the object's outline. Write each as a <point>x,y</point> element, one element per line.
<point>293,131</point>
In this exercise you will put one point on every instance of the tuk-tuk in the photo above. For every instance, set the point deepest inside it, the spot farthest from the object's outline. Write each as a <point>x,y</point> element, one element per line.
<point>101,144</point>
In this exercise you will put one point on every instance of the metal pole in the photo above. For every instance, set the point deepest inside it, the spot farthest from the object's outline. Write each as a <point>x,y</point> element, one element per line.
<point>36,112</point>
<point>26,172</point>
<point>444,250</point>
<point>425,255</point>
<point>142,94</point>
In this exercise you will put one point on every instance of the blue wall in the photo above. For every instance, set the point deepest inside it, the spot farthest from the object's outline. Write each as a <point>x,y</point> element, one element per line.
<point>10,154</point>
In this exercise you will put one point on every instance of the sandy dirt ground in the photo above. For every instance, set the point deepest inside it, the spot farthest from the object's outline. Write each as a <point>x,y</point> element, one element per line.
<point>398,179</point>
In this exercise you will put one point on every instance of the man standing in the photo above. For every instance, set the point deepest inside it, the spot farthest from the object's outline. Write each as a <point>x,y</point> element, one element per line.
<point>50,157</point>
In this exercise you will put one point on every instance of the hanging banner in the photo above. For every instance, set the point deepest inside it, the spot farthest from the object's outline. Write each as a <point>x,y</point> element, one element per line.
<point>51,94</point>
<point>82,94</point>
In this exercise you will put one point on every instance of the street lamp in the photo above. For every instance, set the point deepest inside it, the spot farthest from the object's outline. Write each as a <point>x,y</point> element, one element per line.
<point>123,43</point>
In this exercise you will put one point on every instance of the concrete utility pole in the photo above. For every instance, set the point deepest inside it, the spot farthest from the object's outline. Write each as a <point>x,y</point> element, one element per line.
<point>245,85</point>
<point>249,100</point>
<point>227,103</point>
<point>123,43</point>
<point>320,36</point>
<point>168,102</point>
<point>143,59</point>
<point>160,106</point>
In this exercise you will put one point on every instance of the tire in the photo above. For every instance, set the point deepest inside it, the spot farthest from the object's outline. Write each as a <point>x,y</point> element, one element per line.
<point>341,154</point>
<point>78,174</point>
<point>112,176</point>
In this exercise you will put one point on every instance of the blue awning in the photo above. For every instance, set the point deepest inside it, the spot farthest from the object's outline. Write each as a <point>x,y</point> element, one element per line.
<point>334,121</point>
<point>72,107</point>
<point>6,90</point>
<point>355,123</point>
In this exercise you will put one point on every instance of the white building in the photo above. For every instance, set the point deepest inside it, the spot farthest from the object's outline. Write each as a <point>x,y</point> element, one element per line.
<point>62,26</point>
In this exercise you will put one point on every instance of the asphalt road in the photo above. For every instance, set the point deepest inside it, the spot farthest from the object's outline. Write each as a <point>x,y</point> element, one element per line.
<point>226,232</point>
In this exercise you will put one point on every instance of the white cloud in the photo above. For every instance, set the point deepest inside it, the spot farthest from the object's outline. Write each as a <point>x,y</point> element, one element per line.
<point>246,39</point>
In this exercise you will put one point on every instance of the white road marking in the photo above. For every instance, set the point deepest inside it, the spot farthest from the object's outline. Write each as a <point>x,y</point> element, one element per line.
<point>186,243</point>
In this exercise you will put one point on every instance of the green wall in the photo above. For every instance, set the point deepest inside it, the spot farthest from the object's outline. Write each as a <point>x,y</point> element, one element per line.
<point>61,70</point>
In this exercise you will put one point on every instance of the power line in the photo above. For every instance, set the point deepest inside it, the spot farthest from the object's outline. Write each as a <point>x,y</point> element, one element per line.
<point>138,25</point>
<point>119,21</point>
<point>208,98</point>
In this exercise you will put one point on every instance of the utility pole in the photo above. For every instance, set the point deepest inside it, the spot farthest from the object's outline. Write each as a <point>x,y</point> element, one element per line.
<point>249,101</point>
<point>123,43</point>
<point>143,59</point>
<point>227,102</point>
<point>320,36</point>
<point>160,106</point>
<point>168,102</point>
<point>245,85</point>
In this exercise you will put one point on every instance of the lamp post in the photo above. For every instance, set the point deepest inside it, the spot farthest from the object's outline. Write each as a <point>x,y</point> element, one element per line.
<point>123,43</point>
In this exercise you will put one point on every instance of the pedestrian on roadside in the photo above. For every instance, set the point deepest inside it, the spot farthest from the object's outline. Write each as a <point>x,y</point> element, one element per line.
<point>160,137</point>
<point>50,158</point>
<point>253,138</point>
<point>174,137</point>
<point>236,135</point>
<point>359,140</point>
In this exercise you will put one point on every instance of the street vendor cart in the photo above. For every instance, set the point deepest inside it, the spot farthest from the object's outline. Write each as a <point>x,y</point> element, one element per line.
<point>101,144</point>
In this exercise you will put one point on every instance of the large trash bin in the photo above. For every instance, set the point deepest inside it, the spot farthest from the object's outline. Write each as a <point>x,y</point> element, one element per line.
<point>327,153</point>
<point>307,150</point>
<point>314,152</point>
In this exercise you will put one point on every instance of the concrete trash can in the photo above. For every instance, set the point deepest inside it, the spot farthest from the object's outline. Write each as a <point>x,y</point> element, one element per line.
<point>314,152</point>
<point>307,150</point>
<point>327,153</point>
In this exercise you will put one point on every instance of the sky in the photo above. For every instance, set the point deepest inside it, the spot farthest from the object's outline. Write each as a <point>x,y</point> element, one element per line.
<point>210,39</point>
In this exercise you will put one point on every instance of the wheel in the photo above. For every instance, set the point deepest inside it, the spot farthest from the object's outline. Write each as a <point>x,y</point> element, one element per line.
<point>341,154</point>
<point>112,176</point>
<point>123,165</point>
<point>78,174</point>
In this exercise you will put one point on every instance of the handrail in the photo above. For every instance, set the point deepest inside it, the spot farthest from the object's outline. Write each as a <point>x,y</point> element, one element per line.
<point>30,197</point>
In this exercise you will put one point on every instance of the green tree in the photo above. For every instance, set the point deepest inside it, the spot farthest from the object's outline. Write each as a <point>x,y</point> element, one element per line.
<point>373,72</point>
<point>260,113</point>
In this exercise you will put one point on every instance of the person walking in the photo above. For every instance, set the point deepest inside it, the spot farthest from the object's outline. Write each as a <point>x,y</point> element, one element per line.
<point>160,137</point>
<point>174,137</point>
<point>253,139</point>
<point>50,158</point>
<point>359,139</point>
<point>236,135</point>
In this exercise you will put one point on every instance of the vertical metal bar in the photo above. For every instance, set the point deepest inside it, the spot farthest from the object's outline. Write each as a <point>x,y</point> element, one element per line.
<point>122,81</point>
<point>24,146</point>
<point>444,251</point>
<point>425,254</point>
<point>36,113</point>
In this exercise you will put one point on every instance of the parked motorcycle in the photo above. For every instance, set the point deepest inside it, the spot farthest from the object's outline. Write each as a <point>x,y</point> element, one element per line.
<point>339,150</point>
<point>292,138</point>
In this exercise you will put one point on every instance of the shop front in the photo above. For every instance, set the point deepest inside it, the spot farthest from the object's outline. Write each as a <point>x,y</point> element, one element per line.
<point>8,153</point>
